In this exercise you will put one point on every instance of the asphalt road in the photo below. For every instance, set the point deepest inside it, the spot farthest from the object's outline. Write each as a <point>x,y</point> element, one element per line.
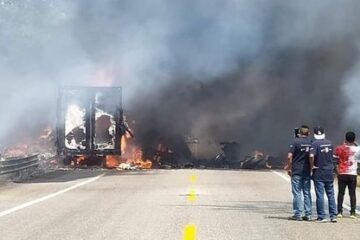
<point>158,204</point>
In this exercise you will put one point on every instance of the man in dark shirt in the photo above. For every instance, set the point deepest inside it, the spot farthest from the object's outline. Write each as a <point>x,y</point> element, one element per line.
<point>321,163</point>
<point>298,167</point>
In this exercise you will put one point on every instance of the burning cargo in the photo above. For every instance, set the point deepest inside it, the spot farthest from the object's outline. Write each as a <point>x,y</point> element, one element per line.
<point>90,125</point>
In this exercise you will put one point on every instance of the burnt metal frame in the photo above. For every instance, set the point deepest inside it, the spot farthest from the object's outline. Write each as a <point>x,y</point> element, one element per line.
<point>90,149</point>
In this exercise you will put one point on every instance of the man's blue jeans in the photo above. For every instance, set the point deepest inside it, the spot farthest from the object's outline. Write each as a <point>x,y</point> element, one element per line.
<point>328,187</point>
<point>301,185</point>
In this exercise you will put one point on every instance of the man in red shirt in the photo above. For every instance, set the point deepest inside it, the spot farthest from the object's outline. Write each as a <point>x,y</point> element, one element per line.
<point>348,155</point>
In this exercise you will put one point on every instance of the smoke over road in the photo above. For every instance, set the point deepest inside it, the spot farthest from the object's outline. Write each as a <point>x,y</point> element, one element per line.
<point>246,71</point>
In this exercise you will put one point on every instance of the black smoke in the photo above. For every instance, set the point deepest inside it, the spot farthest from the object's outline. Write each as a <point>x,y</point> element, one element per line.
<point>223,70</point>
<point>258,104</point>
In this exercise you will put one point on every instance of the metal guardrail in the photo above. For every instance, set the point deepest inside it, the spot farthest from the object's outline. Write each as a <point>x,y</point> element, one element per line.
<point>13,165</point>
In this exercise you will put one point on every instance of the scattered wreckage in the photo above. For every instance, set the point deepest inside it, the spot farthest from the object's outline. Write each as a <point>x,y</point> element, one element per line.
<point>230,157</point>
<point>91,130</point>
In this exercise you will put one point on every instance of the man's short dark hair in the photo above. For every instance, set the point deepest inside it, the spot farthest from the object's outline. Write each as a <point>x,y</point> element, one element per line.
<point>350,137</point>
<point>304,130</point>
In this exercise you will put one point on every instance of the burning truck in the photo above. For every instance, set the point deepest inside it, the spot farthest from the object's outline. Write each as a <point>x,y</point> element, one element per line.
<point>91,126</point>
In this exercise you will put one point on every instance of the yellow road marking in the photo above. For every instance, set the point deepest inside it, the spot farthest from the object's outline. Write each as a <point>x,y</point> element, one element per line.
<point>190,229</point>
<point>193,178</point>
<point>191,195</point>
<point>190,232</point>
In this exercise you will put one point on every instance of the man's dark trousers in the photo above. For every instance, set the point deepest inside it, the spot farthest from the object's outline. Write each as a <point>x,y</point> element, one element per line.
<point>350,181</point>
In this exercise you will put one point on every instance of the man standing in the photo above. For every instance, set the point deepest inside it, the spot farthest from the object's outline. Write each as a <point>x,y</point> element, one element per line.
<point>321,163</point>
<point>348,157</point>
<point>298,167</point>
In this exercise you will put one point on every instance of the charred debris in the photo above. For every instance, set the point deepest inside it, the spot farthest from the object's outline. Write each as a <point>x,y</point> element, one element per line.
<point>92,131</point>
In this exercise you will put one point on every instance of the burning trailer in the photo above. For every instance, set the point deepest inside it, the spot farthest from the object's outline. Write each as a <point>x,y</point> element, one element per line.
<point>90,125</point>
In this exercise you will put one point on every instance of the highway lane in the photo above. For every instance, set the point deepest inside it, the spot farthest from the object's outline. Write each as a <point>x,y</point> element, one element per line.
<point>158,204</point>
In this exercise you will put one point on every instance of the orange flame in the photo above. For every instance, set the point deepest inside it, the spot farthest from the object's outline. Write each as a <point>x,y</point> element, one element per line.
<point>112,161</point>
<point>78,160</point>
<point>132,154</point>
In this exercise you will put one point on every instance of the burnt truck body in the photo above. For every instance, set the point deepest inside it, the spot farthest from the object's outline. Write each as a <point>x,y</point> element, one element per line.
<point>90,122</point>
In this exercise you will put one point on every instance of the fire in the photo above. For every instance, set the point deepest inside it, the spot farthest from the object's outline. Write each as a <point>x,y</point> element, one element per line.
<point>112,161</point>
<point>132,154</point>
<point>77,161</point>
<point>18,150</point>
<point>40,142</point>
<point>124,142</point>
<point>138,159</point>
<point>131,157</point>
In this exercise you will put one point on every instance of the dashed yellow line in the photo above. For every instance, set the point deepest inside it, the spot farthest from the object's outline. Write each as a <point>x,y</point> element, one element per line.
<point>190,229</point>
<point>191,196</point>
<point>193,178</point>
<point>190,232</point>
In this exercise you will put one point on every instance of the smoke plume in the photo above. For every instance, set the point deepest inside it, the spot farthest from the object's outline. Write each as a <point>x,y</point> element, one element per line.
<point>223,70</point>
